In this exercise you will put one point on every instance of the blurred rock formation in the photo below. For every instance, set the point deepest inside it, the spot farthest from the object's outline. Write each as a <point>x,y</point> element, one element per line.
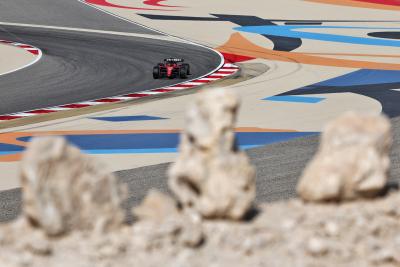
<point>211,176</point>
<point>352,161</point>
<point>72,215</point>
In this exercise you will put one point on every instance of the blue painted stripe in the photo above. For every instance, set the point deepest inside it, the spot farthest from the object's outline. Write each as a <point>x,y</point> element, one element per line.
<point>363,77</point>
<point>148,151</point>
<point>131,151</point>
<point>138,143</point>
<point>10,148</point>
<point>295,99</point>
<point>128,118</point>
<point>295,32</point>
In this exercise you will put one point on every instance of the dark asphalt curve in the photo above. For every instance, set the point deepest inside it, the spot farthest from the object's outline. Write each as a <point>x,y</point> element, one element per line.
<point>80,66</point>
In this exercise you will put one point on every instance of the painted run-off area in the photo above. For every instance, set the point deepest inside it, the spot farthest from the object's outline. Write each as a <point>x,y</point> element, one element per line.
<point>314,74</point>
<point>15,56</point>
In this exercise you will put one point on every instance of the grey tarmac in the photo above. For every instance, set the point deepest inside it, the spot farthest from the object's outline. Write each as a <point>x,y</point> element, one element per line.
<point>64,13</point>
<point>80,66</point>
<point>77,65</point>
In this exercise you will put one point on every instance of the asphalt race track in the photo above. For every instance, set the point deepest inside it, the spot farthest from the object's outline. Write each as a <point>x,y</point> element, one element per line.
<point>79,66</point>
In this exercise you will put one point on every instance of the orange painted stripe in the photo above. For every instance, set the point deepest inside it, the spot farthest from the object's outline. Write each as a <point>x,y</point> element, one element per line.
<point>11,158</point>
<point>240,45</point>
<point>353,55</point>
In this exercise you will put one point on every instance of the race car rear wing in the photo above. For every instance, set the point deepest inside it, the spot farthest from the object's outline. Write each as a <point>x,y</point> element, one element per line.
<point>175,60</point>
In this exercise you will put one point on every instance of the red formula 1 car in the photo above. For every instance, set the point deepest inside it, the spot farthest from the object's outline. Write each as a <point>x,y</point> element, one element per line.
<point>171,68</point>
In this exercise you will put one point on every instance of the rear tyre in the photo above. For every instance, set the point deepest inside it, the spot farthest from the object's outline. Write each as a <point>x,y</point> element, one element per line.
<point>187,66</point>
<point>156,72</point>
<point>183,72</point>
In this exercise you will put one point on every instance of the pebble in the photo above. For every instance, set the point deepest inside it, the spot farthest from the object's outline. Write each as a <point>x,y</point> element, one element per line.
<point>317,246</point>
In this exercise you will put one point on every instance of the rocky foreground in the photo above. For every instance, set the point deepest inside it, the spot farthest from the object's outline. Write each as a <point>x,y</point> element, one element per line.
<point>345,215</point>
<point>360,233</point>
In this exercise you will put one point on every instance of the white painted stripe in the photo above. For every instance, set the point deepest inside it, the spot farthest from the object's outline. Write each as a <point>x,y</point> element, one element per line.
<point>209,79</point>
<point>149,92</point>
<point>221,74</point>
<point>229,69</point>
<point>58,108</point>
<point>229,65</point>
<point>398,90</point>
<point>226,70</point>
<point>175,88</point>
<point>23,114</point>
<point>194,83</point>
<point>121,97</point>
<point>91,103</point>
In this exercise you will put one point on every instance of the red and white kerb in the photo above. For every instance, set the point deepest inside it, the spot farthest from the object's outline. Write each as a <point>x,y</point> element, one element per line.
<point>227,69</point>
<point>29,48</point>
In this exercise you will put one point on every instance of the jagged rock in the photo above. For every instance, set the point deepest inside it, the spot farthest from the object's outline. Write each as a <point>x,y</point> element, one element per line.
<point>160,223</point>
<point>179,231</point>
<point>352,161</point>
<point>364,232</point>
<point>156,206</point>
<point>36,243</point>
<point>65,190</point>
<point>210,175</point>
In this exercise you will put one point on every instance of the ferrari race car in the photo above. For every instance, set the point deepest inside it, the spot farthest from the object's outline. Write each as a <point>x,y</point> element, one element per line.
<point>171,68</point>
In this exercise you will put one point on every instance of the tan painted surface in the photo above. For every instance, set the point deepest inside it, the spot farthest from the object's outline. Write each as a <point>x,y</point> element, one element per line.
<point>13,58</point>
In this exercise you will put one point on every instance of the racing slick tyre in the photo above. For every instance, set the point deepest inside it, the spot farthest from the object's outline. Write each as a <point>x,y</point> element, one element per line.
<point>183,72</point>
<point>156,72</point>
<point>187,66</point>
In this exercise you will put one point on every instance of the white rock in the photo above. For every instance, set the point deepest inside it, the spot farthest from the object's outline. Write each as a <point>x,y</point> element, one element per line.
<point>65,190</point>
<point>210,175</point>
<point>352,161</point>
<point>331,229</point>
<point>317,246</point>
<point>156,206</point>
